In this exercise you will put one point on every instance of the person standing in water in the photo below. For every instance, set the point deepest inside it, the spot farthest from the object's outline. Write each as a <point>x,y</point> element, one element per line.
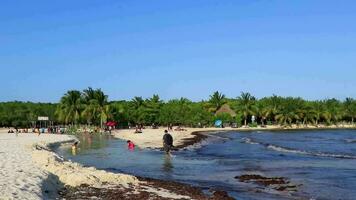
<point>167,142</point>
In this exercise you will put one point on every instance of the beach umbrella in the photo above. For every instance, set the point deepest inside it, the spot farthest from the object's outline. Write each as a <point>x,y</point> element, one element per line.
<point>218,123</point>
<point>111,123</point>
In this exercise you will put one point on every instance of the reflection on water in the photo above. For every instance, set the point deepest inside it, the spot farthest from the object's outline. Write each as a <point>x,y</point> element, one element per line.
<point>167,164</point>
<point>321,162</point>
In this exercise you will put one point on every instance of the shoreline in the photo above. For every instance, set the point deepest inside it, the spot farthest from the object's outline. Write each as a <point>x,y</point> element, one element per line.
<point>152,138</point>
<point>31,170</point>
<point>64,178</point>
<point>77,181</point>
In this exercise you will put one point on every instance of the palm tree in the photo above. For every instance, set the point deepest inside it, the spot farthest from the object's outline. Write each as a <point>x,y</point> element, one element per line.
<point>96,106</point>
<point>137,102</point>
<point>246,105</point>
<point>88,95</point>
<point>334,108</point>
<point>307,114</point>
<point>137,105</point>
<point>286,117</point>
<point>271,106</point>
<point>70,107</point>
<point>152,107</point>
<point>350,108</point>
<point>90,111</point>
<point>320,112</point>
<point>216,101</point>
<point>103,108</point>
<point>263,112</point>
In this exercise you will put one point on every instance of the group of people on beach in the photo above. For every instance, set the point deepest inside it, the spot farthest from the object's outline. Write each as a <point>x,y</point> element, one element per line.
<point>37,130</point>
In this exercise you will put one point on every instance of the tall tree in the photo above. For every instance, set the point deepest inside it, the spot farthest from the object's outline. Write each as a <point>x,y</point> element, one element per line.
<point>152,108</point>
<point>246,105</point>
<point>216,100</point>
<point>320,111</point>
<point>350,108</point>
<point>70,107</point>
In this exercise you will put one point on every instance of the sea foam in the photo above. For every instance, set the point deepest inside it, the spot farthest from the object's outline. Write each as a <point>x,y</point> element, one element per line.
<point>298,151</point>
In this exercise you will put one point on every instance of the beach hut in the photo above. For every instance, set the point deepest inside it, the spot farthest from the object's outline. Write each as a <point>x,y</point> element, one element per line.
<point>223,114</point>
<point>226,109</point>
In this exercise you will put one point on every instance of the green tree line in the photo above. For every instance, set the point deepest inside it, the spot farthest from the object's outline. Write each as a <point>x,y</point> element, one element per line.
<point>24,114</point>
<point>92,107</point>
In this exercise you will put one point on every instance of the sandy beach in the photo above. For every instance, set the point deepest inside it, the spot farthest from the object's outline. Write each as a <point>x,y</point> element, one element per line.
<point>20,177</point>
<point>152,138</point>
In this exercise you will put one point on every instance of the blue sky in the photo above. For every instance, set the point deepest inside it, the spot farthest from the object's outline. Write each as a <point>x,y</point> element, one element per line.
<point>177,48</point>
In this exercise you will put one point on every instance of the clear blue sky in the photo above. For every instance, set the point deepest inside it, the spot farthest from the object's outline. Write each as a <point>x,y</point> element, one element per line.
<point>177,48</point>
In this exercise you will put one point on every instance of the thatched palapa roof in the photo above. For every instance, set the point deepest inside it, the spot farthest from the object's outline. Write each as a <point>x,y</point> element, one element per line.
<point>226,109</point>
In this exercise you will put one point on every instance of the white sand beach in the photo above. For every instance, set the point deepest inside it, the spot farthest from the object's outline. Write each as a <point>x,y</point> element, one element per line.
<point>20,177</point>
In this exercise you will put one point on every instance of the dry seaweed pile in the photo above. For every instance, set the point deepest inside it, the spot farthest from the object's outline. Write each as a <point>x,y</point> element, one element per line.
<point>144,191</point>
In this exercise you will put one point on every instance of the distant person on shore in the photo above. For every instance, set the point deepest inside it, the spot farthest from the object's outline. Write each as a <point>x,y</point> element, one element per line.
<point>130,145</point>
<point>167,142</point>
<point>138,129</point>
<point>170,127</point>
<point>38,131</point>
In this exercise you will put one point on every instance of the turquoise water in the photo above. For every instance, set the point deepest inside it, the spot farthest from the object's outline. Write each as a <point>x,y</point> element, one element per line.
<point>322,163</point>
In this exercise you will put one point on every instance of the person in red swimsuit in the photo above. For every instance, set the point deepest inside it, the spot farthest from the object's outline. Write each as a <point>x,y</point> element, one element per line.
<point>130,145</point>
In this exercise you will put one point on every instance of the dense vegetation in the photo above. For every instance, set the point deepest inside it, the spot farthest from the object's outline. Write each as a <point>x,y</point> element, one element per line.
<point>93,108</point>
<point>24,114</point>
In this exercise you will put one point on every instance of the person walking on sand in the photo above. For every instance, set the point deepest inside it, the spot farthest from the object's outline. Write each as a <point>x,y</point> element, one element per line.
<point>167,142</point>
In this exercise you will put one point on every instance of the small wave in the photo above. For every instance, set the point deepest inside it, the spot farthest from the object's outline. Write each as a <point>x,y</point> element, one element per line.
<point>210,139</point>
<point>350,140</point>
<point>249,141</point>
<point>297,151</point>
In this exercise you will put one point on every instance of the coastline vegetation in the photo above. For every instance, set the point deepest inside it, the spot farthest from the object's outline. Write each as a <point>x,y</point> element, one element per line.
<point>92,107</point>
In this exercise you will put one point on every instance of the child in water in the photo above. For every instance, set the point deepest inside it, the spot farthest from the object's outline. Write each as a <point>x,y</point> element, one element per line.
<point>74,148</point>
<point>130,145</point>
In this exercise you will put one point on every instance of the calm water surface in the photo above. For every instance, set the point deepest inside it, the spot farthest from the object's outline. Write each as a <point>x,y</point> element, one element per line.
<point>323,163</point>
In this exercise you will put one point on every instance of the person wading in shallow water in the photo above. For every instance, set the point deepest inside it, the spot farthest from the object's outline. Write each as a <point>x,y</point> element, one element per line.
<point>130,145</point>
<point>75,148</point>
<point>167,142</point>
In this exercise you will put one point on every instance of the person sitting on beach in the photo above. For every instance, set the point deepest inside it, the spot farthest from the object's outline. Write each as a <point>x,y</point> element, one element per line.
<point>138,129</point>
<point>130,145</point>
<point>167,142</point>
<point>180,129</point>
